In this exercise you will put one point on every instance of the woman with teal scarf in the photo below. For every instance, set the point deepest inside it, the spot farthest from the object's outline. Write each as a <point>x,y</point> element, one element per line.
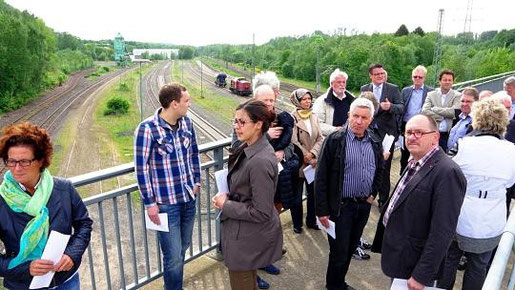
<point>32,204</point>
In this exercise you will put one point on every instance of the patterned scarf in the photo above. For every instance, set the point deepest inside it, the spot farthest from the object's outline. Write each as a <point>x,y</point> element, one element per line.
<point>296,97</point>
<point>35,234</point>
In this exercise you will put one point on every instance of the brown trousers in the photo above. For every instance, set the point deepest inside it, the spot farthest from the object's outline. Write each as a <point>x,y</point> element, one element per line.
<point>243,280</point>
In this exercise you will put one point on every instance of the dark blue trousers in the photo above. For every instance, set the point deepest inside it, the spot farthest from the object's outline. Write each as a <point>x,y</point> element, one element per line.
<point>349,227</point>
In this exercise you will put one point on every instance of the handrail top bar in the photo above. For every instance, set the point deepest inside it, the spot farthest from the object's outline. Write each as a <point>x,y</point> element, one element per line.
<point>122,169</point>
<point>458,85</point>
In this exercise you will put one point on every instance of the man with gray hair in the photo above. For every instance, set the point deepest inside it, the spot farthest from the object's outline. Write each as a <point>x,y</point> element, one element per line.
<point>347,180</point>
<point>267,78</point>
<point>509,87</point>
<point>332,107</point>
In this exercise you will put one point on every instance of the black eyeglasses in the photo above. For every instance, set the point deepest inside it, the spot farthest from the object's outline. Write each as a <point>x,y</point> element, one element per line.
<point>416,133</point>
<point>240,122</point>
<point>22,163</point>
<point>417,77</point>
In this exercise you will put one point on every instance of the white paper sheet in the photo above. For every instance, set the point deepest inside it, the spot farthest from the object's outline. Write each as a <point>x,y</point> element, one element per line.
<point>331,230</point>
<point>280,167</point>
<point>387,142</point>
<point>163,227</point>
<point>309,173</point>
<point>54,249</point>
<point>402,284</point>
<point>221,180</point>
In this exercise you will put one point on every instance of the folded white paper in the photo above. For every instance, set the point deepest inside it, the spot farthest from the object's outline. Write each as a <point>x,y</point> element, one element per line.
<point>280,167</point>
<point>387,142</point>
<point>402,284</point>
<point>163,227</point>
<point>309,173</point>
<point>331,230</point>
<point>221,180</point>
<point>54,249</point>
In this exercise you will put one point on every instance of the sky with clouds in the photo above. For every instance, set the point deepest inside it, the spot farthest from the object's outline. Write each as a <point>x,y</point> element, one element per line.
<point>228,21</point>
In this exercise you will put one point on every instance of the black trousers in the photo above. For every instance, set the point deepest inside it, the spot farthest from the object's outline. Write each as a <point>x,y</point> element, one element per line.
<point>444,137</point>
<point>475,273</point>
<point>349,227</point>
<point>310,203</point>
<point>384,189</point>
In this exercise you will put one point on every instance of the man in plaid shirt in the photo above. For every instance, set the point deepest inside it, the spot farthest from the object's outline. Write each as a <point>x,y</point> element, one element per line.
<point>168,172</point>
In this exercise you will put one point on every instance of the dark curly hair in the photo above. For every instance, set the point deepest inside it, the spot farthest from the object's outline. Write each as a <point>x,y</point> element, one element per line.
<point>27,134</point>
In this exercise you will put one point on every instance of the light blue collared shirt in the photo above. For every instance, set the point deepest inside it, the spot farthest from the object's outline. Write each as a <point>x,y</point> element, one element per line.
<point>459,130</point>
<point>415,103</point>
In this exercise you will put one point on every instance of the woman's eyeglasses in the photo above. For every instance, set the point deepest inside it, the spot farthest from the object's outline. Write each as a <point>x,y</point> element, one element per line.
<point>22,163</point>
<point>240,122</point>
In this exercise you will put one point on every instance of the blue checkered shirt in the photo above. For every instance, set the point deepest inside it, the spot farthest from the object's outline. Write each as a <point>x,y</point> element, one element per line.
<point>166,162</point>
<point>412,169</point>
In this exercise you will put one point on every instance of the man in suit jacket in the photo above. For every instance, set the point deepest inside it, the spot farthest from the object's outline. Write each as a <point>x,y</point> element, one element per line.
<point>419,220</point>
<point>413,98</point>
<point>385,120</point>
<point>441,105</point>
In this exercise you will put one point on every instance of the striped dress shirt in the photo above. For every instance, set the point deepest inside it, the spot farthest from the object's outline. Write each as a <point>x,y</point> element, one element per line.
<point>166,162</point>
<point>412,169</point>
<point>359,165</point>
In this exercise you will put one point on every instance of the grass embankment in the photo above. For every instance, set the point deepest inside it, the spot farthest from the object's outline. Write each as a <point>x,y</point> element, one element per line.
<point>222,107</point>
<point>216,66</point>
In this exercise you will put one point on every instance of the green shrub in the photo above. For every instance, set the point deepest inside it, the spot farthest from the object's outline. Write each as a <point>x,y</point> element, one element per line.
<point>117,106</point>
<point>123,87</point>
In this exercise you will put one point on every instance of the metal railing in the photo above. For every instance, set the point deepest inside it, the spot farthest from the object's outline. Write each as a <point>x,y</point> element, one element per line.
<point>122,254</point>
<point>493,83</point>
<point>499,265</point>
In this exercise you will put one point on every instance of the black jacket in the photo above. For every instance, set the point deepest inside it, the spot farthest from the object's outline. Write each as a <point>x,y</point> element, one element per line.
<point>330,172</point>
<point>387,121</point>
<point>68,215</point>
<point>423,222</point>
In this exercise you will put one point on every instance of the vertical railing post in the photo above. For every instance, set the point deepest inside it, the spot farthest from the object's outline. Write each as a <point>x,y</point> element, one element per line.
<point>218,156</point>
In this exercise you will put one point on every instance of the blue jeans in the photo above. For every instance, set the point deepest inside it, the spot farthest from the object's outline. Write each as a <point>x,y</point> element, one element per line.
<point>72,284</point>
<point>175,243</point>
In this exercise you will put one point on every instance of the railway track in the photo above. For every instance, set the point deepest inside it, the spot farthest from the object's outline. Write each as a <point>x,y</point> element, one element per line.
<point>54,109</point>
<point>283,103</point>
<point>155,79</point>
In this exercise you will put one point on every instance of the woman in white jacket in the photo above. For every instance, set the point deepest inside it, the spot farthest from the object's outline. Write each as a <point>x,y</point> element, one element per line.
<point>486,160</point>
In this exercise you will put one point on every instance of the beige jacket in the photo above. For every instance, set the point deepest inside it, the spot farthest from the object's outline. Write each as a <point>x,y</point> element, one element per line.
<point>251,230</point>
<point>442,112</point>
<point>307,143</point>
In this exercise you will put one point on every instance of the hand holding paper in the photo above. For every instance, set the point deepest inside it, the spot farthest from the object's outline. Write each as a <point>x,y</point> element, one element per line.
<point>53,253</point>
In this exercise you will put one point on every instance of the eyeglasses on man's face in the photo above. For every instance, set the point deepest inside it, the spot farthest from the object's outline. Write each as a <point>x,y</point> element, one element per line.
<point>240,122</point>
<point>418,77</point>
<point>416,133</point>
<point>23,162</point>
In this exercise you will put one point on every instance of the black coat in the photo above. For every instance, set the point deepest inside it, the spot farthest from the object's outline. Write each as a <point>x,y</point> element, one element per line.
<point>330,172</point>
<point>423,222</point>
<point>387,121</point>
<point>66,212</point>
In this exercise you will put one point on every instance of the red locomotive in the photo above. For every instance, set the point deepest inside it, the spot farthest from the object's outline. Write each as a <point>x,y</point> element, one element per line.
<point>241,86</point>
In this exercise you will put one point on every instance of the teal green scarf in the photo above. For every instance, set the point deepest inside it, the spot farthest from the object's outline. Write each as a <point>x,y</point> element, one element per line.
<point>35,234</point>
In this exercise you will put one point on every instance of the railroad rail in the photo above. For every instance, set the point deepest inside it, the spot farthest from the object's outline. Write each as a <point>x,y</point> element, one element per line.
<point>52,110</point>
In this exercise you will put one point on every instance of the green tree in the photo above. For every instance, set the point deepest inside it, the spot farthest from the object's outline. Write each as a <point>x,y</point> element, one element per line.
<point>419,31</point>
<point>403,30</point>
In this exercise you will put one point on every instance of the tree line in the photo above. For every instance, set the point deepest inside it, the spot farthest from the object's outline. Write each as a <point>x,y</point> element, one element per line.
<point>470,56</point>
